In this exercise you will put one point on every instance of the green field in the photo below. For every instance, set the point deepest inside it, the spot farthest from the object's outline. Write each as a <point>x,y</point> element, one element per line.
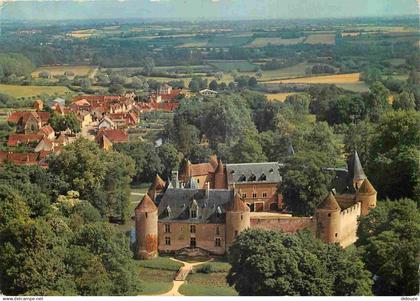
<point>155,282</point>
<point>262,42</point>
<point>32,91</point>
<point>226,66</point>
<point>214,284</point>
<point>297,70</point>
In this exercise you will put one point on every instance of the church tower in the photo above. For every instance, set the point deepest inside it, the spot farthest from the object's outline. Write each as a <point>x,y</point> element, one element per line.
<point>328,219</point>
<point>220,177</point>
<point>366,195</point>
<point>238,219</point>
<point>146,228</point>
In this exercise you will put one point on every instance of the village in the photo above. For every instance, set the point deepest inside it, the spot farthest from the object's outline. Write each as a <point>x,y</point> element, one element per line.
<point>105,119</point>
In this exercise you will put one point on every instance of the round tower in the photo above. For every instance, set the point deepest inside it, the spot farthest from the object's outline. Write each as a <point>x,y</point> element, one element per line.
<point>366,195</point>
<point>219,177</point>
<point>146,228</point>
<point>238,219</point>
<point>328,220</point>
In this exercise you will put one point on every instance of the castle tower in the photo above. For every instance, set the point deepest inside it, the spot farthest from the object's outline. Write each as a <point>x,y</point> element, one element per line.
<point>146,228</point>
<point>220,177</point>
<point>356,172</point>
<point>366,195</point>
<point>238,219</point>
<point>328,219</point>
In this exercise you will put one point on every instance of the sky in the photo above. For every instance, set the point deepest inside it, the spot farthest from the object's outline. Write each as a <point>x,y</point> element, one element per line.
<point>204,9</point>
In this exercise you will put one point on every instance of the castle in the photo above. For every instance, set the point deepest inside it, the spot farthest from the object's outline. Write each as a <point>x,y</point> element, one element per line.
<point>209,204</point>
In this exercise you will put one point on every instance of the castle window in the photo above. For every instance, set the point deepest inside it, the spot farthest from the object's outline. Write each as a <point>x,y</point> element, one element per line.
<point>242,178</point>
<point>192,229</point>
<point>236,233</point>
<point>167,241</point>
<point>167,228</point>
<point>168,211</point>
<point>217,242</point>
<point>218,211</point>
<point>198,180</point>
<point>264,194</point>
<point>217,230</point>
<point>193,213</point>
<point>263,177</point>
<point>242,216</point>
<point>329,214</point>
<point>254,195</point>
<point>336,234</point>
<point>244,195</point>
<point>193,242</point>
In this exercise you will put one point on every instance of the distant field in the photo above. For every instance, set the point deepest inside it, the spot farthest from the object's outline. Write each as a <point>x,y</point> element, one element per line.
<point>243,66</point>
<point>261,42</point>
<point>197,44</point>
<point>351,78</point>
<point>356,87</point>
<point>59,70</point>
<point>326,38</point>
<point>279,96</point>
<point>28,91</point>
<point>283,73</point>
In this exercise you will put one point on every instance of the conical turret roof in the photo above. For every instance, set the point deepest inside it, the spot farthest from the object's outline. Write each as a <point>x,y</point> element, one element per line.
<point>366,187</point>
<point>329,203</point>
<point>158,183</point>
<point>238,205</point>
<point>146,205</point>
<point>355,167</point>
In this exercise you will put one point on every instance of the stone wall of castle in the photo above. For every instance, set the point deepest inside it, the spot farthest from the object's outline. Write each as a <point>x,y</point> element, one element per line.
<point>348,225</point>
<point>180,237</point>
<point>285,224</point>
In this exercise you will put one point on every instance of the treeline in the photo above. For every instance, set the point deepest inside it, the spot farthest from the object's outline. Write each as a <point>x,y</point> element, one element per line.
<point>13,66</point>
<point>55,238</point>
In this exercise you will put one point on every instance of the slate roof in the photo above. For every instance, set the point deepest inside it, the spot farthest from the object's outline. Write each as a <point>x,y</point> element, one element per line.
<point>355,168</point>
<point>329,203</point>
<point>211,208</point>
<point>267,172</point>
<point>341,183</point>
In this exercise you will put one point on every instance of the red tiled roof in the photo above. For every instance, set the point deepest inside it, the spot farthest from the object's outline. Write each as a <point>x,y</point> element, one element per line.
<point>113,135</point>
<point>19,158</point>
<point>15,139</point>
<point>46,130</point>
<point>25,115</point>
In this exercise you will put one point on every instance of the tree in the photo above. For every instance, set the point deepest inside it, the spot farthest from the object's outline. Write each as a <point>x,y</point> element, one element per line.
<point>346,109</point>
<point>371,75</point>
<point>116,89</point>
<point>247,149</point>
<point>305,184</point>
<point>169,157</point>
<point>148,65</point>
<point>252,82</point>
<point>213,85</point>
<point>395,152</point>
<point>219,75</point>
<point>389,240</point>
<point>271,263</point>
<point>404,101</point>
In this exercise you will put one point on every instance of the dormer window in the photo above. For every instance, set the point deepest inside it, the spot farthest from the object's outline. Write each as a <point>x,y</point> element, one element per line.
<point>263,177</point>
<point>193,213</point>
<point>252,178</point>
<point>168,211</point>
<point>218,211</point>
<point>242,178</point>
<point>194,209</point>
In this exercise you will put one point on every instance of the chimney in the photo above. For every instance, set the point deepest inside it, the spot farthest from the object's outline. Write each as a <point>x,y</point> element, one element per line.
<point>207,189</point>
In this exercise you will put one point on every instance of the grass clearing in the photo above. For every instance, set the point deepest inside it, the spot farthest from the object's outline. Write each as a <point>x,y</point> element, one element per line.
<point>323,38</point>
<point>279,96</point>
<point>284,73</point>
<point>30,91</point>
<point>214,284</point>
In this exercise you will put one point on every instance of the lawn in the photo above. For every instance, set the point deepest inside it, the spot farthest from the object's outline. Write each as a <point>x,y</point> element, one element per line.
<point>32,91</point>
<point>214,284</point>
<point>154,281</point>
<point>160,263</point>
<point>59,70</point>
<point>217,265</point>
